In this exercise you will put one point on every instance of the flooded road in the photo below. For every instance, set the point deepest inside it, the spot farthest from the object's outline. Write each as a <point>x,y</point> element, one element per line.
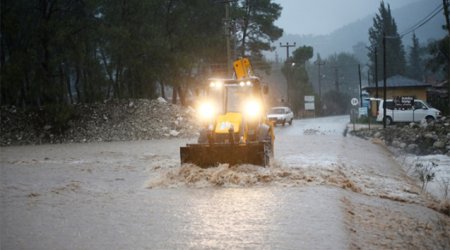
<point>323,191</point>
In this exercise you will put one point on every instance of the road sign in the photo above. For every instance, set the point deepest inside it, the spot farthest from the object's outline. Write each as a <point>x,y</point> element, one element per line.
<point>309,102</point>
<point>354,101</point>
<point>309,98</point>
<point>309,106</point>
<point>362,111</point>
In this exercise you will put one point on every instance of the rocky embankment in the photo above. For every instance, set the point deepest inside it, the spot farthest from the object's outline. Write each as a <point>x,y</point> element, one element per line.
<point>418,139</point>
<point>115,120</point>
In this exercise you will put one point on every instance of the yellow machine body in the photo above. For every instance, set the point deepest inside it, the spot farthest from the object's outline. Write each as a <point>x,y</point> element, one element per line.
<point>227,121</point>
<point>234,135</point>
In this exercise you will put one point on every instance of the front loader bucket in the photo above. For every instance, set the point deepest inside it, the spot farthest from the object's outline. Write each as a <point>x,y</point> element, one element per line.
<point>205,155</point>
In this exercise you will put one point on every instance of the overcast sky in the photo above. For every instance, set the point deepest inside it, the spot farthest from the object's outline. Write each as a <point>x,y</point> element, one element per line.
<point>319,17</point>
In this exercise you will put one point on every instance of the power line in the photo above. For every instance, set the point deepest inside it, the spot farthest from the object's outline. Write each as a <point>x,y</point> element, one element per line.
<point>424,20</point>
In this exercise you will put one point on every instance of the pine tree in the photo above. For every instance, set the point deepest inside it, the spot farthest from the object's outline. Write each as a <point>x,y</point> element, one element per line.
<point>297,77</point>
<point>255,28</point>
<point>384,24</point>
<point>415,66</point>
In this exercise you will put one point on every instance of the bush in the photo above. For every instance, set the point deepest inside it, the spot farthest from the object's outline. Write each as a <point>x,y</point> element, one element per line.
<point>57,116</point>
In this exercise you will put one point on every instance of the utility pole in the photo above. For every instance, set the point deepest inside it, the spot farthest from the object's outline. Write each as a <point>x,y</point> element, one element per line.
<point>319,63</point>
<point>376,73</point>
<point>289,73</point>
<point>227,34</point>
<point>360,87</point>
<point>336,78</point>
<point>227,29</point>
<point>287,46</point>
<point>446,6</point>
<point>384,80</point>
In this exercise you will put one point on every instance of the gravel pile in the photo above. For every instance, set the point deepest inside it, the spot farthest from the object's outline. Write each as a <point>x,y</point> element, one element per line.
<point>419,139</point>
<point>115,120</point>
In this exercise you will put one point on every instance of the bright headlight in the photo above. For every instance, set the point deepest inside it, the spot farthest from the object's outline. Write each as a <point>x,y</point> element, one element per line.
<point>216,84</point>
<point>253,108</point>
<point>206,110</point>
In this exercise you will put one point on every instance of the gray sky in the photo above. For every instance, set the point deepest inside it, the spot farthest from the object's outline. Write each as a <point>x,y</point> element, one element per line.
<point>319,17</point>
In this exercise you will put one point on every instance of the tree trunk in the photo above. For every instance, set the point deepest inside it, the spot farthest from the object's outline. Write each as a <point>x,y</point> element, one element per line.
<point>117,88</point>
<point>86,87</point>
<point>77,84</point>
<point>174,95</point>
<point>109,73</point>
<point>163,91</point>
<point>182,95</point>
<point>68,85</point>
<point>63,88</point>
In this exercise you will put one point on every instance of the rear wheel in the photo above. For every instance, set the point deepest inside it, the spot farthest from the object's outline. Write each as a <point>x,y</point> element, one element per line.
<point>429,119</point>
<point>290,122</point>
<point>388,120</point>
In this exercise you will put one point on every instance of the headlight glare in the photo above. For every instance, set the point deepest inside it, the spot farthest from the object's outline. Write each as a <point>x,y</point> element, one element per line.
<point>206,110</point>
<point>216,84</point>
<point>253,108</point>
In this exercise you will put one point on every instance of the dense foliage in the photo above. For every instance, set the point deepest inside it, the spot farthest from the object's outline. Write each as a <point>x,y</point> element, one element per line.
<point>63,52</point>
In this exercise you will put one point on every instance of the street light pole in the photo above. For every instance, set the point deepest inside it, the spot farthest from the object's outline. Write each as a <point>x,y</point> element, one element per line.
<point>360,87</point>
<point>319,63</point>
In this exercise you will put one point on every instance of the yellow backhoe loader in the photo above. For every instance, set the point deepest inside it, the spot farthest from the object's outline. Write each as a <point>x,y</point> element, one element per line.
<point>235,129</point>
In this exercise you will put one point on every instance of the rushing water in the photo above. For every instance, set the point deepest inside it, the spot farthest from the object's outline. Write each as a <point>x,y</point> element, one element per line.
<point>134,195</point>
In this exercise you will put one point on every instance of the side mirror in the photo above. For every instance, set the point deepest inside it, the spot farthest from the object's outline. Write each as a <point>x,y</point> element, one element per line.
<point>265,89</point>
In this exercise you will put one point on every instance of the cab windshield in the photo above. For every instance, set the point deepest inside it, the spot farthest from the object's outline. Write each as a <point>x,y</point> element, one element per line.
<point>235,96</point>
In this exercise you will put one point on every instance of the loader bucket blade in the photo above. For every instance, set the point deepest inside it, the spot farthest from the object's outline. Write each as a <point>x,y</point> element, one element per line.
<point>205,155</point>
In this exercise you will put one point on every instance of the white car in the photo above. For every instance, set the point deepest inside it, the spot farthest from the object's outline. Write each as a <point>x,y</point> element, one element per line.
<point>401,112</point>
<point>280,115</point>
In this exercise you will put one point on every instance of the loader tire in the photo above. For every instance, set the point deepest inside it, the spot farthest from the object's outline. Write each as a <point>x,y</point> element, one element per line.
<point>265,136</point>
<point>268,153</point>
<point>203,137</point>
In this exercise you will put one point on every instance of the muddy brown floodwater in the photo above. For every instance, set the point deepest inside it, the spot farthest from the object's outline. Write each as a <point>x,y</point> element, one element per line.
<point>323,191</point>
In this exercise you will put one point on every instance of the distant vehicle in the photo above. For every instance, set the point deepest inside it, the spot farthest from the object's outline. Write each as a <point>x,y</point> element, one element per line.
<point>412,111</point>
<point>280,115</point>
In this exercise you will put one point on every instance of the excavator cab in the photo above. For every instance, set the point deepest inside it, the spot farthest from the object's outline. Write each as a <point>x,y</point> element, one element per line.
<point>234,126</point>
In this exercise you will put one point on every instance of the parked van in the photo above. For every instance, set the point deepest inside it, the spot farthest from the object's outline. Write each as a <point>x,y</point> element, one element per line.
<point>411,110</point>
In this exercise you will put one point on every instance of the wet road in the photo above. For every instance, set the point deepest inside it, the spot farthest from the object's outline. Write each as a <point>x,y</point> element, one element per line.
<point>134,195</point>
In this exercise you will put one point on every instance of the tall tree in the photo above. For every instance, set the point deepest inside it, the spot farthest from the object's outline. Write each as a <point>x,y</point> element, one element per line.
<point>415,69</point>
<point>297,78</point>
<point>384,25</point>
<point>193,33</point>
<point>255,28</point>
